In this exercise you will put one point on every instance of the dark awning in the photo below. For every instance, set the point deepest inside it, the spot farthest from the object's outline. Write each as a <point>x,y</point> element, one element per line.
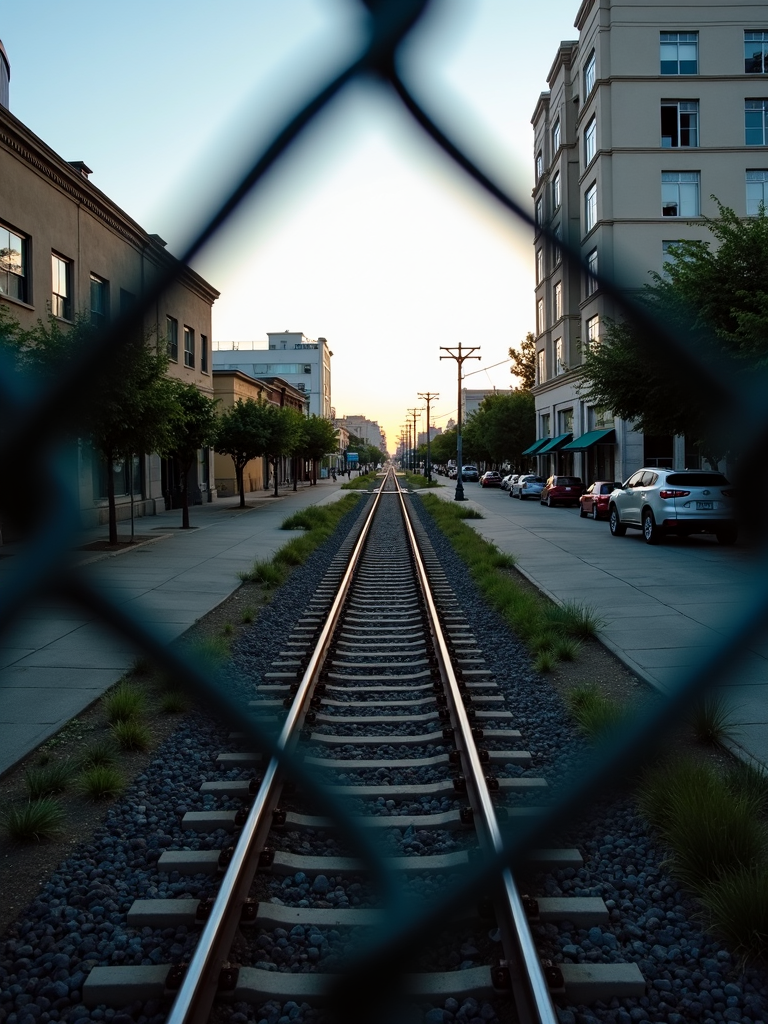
<point>555,444</point>
<point>593,437</point>
<point>536,445</point>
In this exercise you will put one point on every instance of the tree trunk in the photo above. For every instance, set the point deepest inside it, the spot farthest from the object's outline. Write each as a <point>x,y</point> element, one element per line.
<point>274,464</point>
<point>314,472</point>
<point>295,472</point>
<point>185,496</point>
<point>111,498</point>
<point>240,473</point>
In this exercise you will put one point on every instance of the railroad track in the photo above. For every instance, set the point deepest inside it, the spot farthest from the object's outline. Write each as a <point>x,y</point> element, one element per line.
<point>389,701</point>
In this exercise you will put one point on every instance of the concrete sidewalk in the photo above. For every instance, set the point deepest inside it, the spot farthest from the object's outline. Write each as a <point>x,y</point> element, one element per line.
<point>663,607</point>
<point>57,658</point>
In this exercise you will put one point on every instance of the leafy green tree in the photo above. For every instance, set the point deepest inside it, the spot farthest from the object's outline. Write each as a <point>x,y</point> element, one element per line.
<point>318,439</point>
<point>443,447</point>
<point>501,428</point>
<point>192,427</point>
<point>715,298</point>
<point>130,404</point>
<point>524,362</point>
<point>241,434</point>
<point>282,434</point>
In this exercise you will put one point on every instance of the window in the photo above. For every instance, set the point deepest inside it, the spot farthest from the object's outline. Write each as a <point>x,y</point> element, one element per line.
<point>540,316</point>
<point>556,190</point>
<point>99,301</point>
<point>756,191</point>
<point>590,207</point>
<point>13,264</point>
<point>755,114</point>
<point>307,368</point>
<point>559,364</point>
<point>679,53</point>
<point>558,297</point>
<point>600,417</point>
<point>539,265</point>
<point>680,193</point>
<point>755,53</point>
<point>589,74</point>
<point>539,211</point>
<point>679,123</point>
<point>189,346</point>
<point>172,338</point>
<point>558,233</point>
<point>540,369</point>
<point>301,386</point>
<point>545,419</point>
<point>556,139</point>
<point>593,331</point>
<point>565,421</point>
<point>539,165</point>
<point>204,353</point>
<point>590,142</point>
<point>592,282</point>
<point>61,297</point>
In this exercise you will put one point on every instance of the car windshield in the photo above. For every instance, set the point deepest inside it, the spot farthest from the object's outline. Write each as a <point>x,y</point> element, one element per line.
<point>567,481</point>
<point>698,479</point>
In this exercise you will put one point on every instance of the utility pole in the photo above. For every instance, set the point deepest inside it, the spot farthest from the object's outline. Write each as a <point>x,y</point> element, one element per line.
<point>415,413</point>
<point>404,438</point>
<point>459,354</point>
<point>427,396</point>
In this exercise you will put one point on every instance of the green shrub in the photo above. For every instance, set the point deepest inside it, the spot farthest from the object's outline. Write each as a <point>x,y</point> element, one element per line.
<point>38,819</point>
<point>173,702</point>
<point>711,719</point>
<point>47,780</point>
<point>101,782</point>
<point>247,616</point>
<point>101,753</point>
<point>132,735</point>
<point>594,714</point>
<point>295,552</point>
<point>544,661</point>
<point>227,629</point>
<point>736,907</point>
<point>565,648</point>
<point>574,619</point>
<point>266,573</point>
<point>748,778</point>
<point>360,483</point>
<point>123,702</point>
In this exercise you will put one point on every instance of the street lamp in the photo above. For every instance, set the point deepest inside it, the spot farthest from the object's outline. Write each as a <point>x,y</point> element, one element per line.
<point>459,355</point>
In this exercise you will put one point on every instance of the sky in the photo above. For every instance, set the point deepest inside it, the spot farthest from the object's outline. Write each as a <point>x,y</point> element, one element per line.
<point>363,233</point>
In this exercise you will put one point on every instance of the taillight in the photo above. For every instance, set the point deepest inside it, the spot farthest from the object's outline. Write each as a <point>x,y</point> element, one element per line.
<point>728,494</point>
<point>673,494</point>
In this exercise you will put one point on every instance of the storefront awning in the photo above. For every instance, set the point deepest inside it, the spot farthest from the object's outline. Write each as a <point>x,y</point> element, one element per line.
<point>593,437</point>
<point>555,444</point>
<point>536,445</point>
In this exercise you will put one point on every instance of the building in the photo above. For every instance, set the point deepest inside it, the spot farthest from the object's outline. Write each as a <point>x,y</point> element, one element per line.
<point>471,399</point>
<point>290,355</point>
<point>433,433</point>
<point>67,249</point>
<point>366,430</point>
<point>231,386</point>
<point>653,109</point>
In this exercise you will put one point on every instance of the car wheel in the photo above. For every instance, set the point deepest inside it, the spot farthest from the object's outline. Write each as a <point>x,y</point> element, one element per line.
<point>594,512</point>
<point>582,513</point>
<point>549,502</point>
<point>727,535</point>
<point>651,531</point>
<point>618,529</point>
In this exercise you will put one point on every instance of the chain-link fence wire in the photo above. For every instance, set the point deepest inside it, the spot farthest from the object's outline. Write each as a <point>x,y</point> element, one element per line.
<point>35,416</point>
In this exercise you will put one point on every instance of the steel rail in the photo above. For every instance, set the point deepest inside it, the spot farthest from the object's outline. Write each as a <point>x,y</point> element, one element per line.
<point>534,1003</point>
<point>193,1001</point>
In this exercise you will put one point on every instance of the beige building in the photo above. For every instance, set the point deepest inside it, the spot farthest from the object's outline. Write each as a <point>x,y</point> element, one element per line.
<point>653,109</point>
<point>67,249</point>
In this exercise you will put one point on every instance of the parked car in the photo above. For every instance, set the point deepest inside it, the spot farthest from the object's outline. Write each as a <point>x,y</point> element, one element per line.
<point>681,501</point>
<point>596,499</point>
<point>527,485</point>
<point>508,480</point>
<point>490,479</point>
<point>470,473</point>
<point>452,472</point>
<point>562,490</point>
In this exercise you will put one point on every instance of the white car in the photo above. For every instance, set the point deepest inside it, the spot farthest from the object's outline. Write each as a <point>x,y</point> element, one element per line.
<point>681,501</point>
<point>470,473</point>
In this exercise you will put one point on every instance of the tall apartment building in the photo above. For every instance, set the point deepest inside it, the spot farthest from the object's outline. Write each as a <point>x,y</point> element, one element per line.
<point>304,363</point>
<point>650,112</point>
<point>367,430</point>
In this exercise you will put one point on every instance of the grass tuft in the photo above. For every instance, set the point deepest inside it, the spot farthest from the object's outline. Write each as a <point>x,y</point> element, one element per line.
<point>266,573</point>
<point>565,648</point>
<point>248,615</point>
<point>141,666</point>
<point>711,720</point>
<point>123,702</point>
<point>99,754</point>
<point>466,512</point>
<point>173,702</point>
<point>101,782</point>
<point>736,906</point>
<point>227,629</point>
<point>38,819</point>
<point>545,661</point>
<point>132,735</point>
<point>574,619</point>
<point>594,714</point>
<point>47,780</point>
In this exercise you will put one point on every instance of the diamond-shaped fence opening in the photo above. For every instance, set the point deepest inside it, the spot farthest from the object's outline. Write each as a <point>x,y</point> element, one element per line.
<point>31,419</point>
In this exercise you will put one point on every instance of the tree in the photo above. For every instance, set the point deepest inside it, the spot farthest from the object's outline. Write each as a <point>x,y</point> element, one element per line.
<point>240,433</point>
<point>715,300</point>
<point>501,428</point>
<point>524,362</point>
<point>130,404</point>
<point>192,427</point>
<point>282,433</point>
<point>443,447</point>
<point>318,438</point>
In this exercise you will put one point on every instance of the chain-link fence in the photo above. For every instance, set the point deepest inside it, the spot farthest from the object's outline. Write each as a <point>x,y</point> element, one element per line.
<point>33,416</point>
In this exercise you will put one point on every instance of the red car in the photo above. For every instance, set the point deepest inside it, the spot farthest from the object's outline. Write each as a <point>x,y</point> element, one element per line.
<point>594,502</point>
<point>562,490</point>
<point>490,479</point>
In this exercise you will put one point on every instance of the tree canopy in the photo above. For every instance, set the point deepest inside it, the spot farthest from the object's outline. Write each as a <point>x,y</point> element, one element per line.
<point>192,427</point>
<point>318,438</point>
<point>241,434</point>
<point>501,428</point>
<point>524,362</point>
<point>714,298</point>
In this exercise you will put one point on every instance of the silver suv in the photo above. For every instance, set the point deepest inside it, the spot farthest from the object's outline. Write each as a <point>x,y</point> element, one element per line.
<point>681,501</point>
